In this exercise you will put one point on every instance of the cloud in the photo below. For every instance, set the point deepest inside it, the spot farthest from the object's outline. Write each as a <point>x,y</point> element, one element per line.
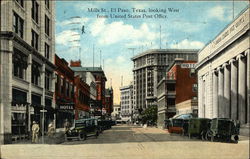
<point>73,22</point>
<point>220,13</point>
<point>118,31</point>
<point>186,44</point>
<point>68,37</point>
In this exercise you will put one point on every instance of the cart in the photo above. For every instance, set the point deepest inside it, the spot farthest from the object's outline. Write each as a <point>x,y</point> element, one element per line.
<point>223,129</point>
<point>198,127</point>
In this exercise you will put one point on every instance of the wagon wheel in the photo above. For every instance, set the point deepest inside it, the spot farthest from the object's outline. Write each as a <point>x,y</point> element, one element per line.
<point>210,136</point>
<point>203,136</point>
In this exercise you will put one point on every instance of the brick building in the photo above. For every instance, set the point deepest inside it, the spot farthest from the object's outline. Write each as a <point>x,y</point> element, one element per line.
<point>177,92</point>
<point>64,92</point>
<point>109,97</point>
<point>100,80</point>
<point>82,97</point>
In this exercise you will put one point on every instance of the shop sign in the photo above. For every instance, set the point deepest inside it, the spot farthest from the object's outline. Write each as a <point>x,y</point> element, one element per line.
<point>66,106</point>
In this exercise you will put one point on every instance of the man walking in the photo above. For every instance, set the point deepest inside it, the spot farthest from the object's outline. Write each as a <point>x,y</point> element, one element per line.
<point>35,132</point>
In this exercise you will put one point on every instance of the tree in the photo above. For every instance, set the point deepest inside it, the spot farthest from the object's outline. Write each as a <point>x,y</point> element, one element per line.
<point>149,115</point>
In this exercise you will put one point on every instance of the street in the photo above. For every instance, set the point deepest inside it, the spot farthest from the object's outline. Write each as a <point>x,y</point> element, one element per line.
<point>126,142</point>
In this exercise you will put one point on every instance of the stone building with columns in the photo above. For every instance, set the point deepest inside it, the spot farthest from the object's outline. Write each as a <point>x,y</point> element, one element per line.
<point>26,67</point>
<point>224,73</point>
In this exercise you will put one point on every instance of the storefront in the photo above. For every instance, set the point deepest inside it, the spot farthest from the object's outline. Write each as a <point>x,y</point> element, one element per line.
<point>64,111</point>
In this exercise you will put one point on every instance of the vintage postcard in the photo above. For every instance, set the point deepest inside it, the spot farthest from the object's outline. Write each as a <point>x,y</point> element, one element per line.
<point>124,79</point>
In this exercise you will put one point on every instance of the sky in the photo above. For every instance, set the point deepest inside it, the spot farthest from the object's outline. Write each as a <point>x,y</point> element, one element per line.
<point>118,32</point>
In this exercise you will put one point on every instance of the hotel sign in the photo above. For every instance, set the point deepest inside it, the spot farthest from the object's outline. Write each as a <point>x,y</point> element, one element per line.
<point>188,65</point>
<point>69,106</point>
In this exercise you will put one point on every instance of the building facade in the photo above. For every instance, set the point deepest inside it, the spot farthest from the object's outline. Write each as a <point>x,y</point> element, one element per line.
<point>126,100</point>
<point>177,92</point>
<point>81,98</point>
<point>149,68</point>
<point>100,80</point>
<point>116,114</point>
<point>27,66</point>
<point>109,101</point>
<point>224,73</point>
<point>64,92</point>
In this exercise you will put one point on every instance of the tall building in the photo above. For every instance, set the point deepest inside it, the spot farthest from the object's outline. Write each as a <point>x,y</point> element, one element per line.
<point>149,68</point>
<point>27,66</point>
<point>126,100</point>
<point>224,73</point>
<point>100,80</point>
<point>177,91</point>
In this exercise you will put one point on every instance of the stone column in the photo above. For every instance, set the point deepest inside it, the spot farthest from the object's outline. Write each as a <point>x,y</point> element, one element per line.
<point>242,88</point>
<point>29,95</point>
<point>200,97</point>
<point>226,101</point>
<point>215,94</point>
<point>247,54</point>
<point>234,89</point>
<point>220,92</point>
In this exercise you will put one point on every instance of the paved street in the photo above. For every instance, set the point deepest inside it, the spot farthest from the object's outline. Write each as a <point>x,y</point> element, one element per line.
<point>125,142</point>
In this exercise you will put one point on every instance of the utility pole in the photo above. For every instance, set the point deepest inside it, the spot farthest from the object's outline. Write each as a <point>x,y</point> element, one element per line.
<point>133,50</point>
<point>121,81</point>
<point>160,36</point>
<point>100,58</point>
<point>93,56</point>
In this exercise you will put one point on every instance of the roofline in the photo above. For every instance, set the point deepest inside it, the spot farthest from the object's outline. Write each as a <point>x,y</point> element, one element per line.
<point>232,21</point>
<point>157,51</point>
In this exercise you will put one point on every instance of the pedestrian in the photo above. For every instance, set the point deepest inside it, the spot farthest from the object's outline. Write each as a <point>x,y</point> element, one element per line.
<point>35,132</point>
<point>51,130</point>
<point>66,125</point>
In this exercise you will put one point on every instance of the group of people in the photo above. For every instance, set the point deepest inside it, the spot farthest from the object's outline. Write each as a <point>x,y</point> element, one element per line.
<point>51,130</point>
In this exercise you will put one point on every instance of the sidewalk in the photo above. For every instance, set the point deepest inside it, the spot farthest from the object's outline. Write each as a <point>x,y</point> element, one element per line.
<point>58,138</point>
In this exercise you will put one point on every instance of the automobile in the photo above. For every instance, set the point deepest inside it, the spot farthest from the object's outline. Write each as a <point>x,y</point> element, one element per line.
<point>198,127</point>
<point>179,123</point>
<point>223,129</point>
<point>82,129</point>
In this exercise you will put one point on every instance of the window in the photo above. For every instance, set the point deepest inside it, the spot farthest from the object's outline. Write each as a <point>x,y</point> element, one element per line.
<point>20,2</point>
<point>47,79</point>
<point>34,11</point>
<point>46,48</point>
<point>20,64</point>
<point>67,89</point>
<point>192,72</point>
<point>47,21</point>
<point>62,86</point>
<point>47,3</point>
<point>34,40</point>
<point>18,25</point>
<point>195,87</point>
<point>35,74</point>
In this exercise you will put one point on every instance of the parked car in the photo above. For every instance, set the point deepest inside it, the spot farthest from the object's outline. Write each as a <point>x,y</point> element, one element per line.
<point>179,123</point>
<point>198,127</point>
<point>223,129</point>
<point>82,129</point>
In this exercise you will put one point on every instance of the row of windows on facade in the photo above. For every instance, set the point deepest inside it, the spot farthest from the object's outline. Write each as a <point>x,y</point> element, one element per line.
<point>161,59</point>
<point>21,2</point>
<point>19,97</point>
<point>67,89</point>
<point>18,25</point>
<point>64,87</point>
<point>19,69</point>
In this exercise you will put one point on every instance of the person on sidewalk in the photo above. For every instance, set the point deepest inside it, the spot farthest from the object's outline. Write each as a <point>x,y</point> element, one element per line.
<point>66,125</point>
<point>35,132</point>
<point>51,130</point>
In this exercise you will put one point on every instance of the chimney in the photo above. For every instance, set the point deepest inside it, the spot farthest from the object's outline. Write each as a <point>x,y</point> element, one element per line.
<point>75,63</point>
